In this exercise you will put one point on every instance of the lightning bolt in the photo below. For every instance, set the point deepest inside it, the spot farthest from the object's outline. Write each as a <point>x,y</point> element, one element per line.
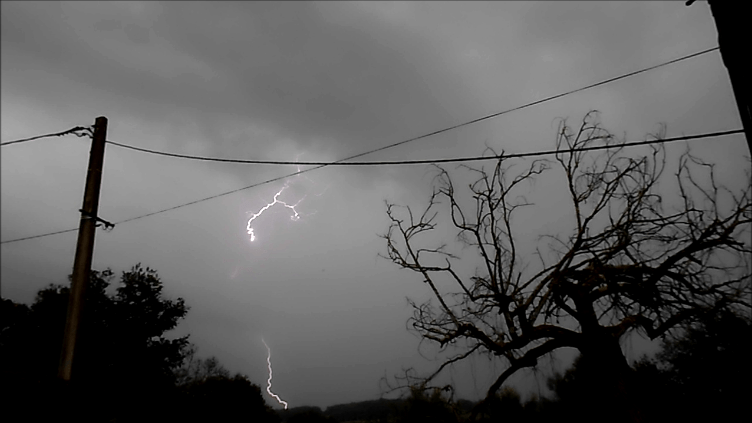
<point>269,382</point>
<point>275,200</point>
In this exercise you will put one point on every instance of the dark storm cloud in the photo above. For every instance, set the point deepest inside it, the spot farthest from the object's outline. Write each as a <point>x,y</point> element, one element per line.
<point>290,67</point>
<point>340,77</point>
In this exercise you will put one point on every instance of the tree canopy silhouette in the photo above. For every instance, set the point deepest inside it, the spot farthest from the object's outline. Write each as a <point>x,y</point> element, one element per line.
<point>223,398</point>
<point>707,363</point>
<point>122,353</point>
<point>635,259</point>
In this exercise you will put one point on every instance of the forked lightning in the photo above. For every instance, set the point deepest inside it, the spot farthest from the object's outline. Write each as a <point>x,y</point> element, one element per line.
<point>269,382</point>
<point>276,200</point>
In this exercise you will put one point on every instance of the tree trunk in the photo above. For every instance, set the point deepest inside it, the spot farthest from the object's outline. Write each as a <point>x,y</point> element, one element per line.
<point>609,383</point>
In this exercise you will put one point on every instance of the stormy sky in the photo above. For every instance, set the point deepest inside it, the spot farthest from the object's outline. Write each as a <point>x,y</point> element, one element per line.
<point>318,82</point>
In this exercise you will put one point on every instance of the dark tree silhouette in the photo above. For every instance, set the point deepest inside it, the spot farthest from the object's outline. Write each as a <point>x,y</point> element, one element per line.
<point>314,415</point>
<point>196,369</point>
<point>636,259</point>
<point>223,399</point>
<point>578,389</point>
<point>124,363</point>
<point>505,405</point>
<point>703,373</point>
<point>363,410</point>
<point>700,374</point>
<point>427,406</point>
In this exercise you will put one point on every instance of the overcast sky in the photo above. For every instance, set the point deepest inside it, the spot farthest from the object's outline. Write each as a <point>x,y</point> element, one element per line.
<point>313,81</point>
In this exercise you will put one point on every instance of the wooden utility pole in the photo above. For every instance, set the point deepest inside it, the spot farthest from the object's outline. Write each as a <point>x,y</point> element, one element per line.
<point>84,248</point>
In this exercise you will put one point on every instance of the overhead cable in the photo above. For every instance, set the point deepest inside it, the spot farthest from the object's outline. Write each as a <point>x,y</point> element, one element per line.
<point>390,145</point>
<point>426,161</point>
<point>79,131</point>
<point>502,156</point>
<point>440,131</point>
<point>602,147</point>
<point>38,236</point>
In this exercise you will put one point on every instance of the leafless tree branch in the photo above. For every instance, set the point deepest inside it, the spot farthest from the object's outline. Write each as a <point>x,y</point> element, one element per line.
<point>635,259</point>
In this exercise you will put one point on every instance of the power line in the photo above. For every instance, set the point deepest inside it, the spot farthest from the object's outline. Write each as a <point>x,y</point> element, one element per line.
<point>466,159</point>
<point>87,130</point>
<point>387,146</point>
<point>38,236</point>
<point>427,161</point>
<point>79,131</point>
<point>430,134</point>
<point>431,161</point>
<point>537,153</point>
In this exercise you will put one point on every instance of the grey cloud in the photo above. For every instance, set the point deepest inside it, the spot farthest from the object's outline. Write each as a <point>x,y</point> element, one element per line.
<point>282,66</point>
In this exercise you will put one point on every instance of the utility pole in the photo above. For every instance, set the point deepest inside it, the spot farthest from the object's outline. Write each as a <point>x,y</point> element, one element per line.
<point>84,248</point>
<point>733,39</point>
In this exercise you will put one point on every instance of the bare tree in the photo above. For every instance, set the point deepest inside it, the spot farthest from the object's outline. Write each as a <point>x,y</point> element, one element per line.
<point>197,370</point>
<point>635,259</point>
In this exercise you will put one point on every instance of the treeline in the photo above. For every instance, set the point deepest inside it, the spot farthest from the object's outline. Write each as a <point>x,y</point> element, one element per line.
<point>702,375</point>
<point>127,370</point>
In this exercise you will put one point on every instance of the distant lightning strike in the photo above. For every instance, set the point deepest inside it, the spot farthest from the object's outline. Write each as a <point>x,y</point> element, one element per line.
<point>269,382</point>
<point>276,200</point>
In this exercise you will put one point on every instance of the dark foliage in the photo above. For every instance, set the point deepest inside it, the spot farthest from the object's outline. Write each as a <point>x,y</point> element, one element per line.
<point>363,411</point>
<point>579,393</point>
<point>703,374</point>
<point>223,399</point>
<point>122,352</point>
<point>126,368</point>
<point>425,406</point>
<point>507,404</point>
<point>195,369</point>
<point>699,375</point>
<point>314,415</point>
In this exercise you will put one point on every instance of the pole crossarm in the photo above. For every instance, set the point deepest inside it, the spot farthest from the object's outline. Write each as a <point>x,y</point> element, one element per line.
<point>107,225</point>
